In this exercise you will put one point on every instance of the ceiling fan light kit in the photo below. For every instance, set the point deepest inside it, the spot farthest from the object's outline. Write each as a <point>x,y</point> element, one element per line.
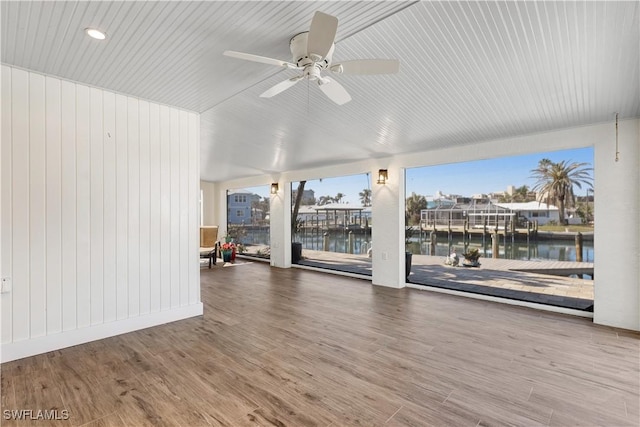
<point>312,52</point>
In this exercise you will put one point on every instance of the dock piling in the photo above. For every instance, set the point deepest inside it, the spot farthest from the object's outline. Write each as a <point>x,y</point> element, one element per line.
<point>432,246</point>
<point>484,232</point>
<point>579,247</point>
<point>350,240</point>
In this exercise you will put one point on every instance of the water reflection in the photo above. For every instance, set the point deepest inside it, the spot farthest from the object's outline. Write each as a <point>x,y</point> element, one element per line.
<point>555,250</point>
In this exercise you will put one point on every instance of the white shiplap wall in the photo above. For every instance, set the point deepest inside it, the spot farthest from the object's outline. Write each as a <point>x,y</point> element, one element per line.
<point>99,218</point>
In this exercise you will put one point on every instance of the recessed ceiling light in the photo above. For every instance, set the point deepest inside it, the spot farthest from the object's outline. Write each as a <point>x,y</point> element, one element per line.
<point>96,34</point>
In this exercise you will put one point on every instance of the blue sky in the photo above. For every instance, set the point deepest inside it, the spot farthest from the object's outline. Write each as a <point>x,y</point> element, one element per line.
<point>468,178</point>
<point>350,186</point>
<point>487,176</point>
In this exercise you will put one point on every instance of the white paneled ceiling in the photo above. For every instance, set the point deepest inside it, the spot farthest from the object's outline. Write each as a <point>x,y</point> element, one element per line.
<point>470,71</point>
<point>169,51</point>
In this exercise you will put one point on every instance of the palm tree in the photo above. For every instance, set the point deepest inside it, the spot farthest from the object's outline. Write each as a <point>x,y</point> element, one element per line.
<point>555,182</point>
<point>325,200</point>
<point>339,197</point>
<point>365,197</point>
<point>414,205</point>
<point>255,206</point>
<point>520,194</point>
<point>505,198</point>
<point>295,224</point>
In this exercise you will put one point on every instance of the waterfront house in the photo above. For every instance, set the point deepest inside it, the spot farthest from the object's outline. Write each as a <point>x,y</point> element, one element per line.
<point>475,214</point>
<point>240,207</point>
<point>533,211</point>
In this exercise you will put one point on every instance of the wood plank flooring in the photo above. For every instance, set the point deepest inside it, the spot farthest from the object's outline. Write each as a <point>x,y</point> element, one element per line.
<point>300,348</point>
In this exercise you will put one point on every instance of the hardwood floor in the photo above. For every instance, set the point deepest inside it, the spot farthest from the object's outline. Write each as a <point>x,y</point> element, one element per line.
<point>300,348</point>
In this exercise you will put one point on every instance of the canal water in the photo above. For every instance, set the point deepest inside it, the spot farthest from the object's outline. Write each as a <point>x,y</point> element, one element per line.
<point>338,242</point>
<point>556,250</point>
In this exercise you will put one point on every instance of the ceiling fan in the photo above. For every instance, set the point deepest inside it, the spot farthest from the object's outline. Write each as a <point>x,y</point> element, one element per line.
<point>312,51</point>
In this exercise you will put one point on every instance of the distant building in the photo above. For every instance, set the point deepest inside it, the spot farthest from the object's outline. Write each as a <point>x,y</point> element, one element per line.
<point>481,210</point>
<point>308,197</point>
<point>534,211</point>
<point>475,212</point>
<point>461,199</point>
<point>440,200</point>
<point>239,204</point>
<point>497,196</point>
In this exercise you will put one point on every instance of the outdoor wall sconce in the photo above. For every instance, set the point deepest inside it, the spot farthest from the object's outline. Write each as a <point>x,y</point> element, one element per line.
<point>274,188</point>
<point>382,176</point>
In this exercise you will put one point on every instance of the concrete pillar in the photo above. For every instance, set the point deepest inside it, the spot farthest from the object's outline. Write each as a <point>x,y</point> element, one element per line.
<point>209,203</point>
<point>280,226</point>
<point>388,235</point>
<point>617,229</point>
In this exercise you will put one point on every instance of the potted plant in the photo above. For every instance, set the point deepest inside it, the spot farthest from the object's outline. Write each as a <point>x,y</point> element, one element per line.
<point>408,255</point>
<point>296,224</point>
<point>471,258</point>
<point>227,251</point>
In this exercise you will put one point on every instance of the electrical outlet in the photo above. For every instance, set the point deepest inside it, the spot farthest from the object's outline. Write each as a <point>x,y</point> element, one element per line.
<point>6,285</point>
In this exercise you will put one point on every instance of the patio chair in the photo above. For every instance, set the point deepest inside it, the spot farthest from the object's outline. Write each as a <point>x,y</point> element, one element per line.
<point>209,244</point>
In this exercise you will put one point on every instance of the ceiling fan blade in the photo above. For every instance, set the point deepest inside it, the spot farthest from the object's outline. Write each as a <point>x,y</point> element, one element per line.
<point>321,34</point>
<point>280,87</point>
<point>334,91</point>
<point>256,58</point>
<point>367,66</point>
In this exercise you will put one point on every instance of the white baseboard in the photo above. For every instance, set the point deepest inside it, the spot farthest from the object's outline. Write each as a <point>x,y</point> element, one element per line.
<point>31,347</point>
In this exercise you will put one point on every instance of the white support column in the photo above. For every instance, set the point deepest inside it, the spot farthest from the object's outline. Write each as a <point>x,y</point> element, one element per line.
<point>280,226</point>
<point>617,229</point>
<point>387,210</point>
<point>209,202</point>
<point>220,205</point>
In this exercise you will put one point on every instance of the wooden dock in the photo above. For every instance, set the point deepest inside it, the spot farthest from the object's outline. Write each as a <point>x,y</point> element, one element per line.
<point>518,233</point>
